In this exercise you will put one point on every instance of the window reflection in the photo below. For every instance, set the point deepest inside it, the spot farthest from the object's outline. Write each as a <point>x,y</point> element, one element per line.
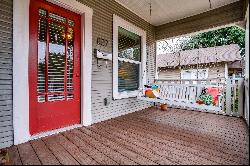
<point>57,37</point>
<point>129,48</point>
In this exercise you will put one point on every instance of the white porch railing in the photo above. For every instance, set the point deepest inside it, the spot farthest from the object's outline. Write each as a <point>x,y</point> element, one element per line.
<point>184,93</point>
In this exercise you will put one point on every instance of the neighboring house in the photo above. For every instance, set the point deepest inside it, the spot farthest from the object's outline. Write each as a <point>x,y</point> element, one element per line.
<point>236,68</point>
<point>204,63</point>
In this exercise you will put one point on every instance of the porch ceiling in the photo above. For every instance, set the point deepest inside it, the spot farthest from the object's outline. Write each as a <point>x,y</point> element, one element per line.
<point>165,11</point>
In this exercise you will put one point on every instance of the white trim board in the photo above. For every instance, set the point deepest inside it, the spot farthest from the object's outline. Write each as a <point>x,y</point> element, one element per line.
<point>20,64</point>
<point>119,22</point>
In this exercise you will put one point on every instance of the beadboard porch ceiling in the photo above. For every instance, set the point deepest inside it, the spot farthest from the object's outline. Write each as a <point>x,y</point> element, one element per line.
<point>165,11</point>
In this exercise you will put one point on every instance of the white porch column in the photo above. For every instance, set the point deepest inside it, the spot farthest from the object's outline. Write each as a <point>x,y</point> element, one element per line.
<point>226,71</point>
<point>247,68</point>
<point>20,71</point>
<point>247,45</point>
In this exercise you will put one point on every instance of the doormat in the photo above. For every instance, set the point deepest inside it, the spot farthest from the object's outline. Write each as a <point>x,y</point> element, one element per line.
<point>4,157</point>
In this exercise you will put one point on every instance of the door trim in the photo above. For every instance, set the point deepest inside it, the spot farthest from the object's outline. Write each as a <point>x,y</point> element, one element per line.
<point>20,64</point>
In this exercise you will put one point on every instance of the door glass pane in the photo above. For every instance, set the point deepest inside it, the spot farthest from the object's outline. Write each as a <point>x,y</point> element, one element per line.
<point>129,46</point>
<point>128,76</point>
<point>55,97</point>
<point>42,13</point>
<point>70,59</point>
<point>41,99</point>
<point>57,18</point>
<point>56,59</point>
<point>70,96</point>
<point>41,55</point>
<point>71,23</point>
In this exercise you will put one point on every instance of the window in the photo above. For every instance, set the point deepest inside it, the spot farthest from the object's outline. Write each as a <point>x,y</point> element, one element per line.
<point>192,74</point>
<point>55,33</point>
<point>129,57</point>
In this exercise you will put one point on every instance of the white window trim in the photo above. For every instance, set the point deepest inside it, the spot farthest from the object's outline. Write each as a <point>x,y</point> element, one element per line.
<point>20,65</point>
<point>194,70</point>
<point>119,22</point>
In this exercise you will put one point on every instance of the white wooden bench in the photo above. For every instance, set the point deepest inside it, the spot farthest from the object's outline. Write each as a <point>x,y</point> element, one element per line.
<point>185,96</point>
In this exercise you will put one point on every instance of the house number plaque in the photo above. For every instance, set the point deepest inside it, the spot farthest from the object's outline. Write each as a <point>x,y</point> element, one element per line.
<point>102,42</point>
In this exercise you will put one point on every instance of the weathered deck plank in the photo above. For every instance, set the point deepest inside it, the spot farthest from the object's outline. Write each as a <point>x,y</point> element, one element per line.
<point>100,157</point>
<point>60,153</point>
<point>78,154</point>
<point>28,155</point>
<point>14,156</point>
<point>143,156</point>
<point>205,141</point>
<point>146,137</point>
<point>169,147</point>
<point>45,155</point>
<point>187,139</point>
<point>114,155</point>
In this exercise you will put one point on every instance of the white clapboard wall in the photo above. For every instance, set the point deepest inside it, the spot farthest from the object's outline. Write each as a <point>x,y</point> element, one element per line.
<point>6,127</point>
<point>102,76</point>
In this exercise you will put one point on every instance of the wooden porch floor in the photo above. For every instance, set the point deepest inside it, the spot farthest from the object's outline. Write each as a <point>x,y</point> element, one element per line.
<point>146,137</point>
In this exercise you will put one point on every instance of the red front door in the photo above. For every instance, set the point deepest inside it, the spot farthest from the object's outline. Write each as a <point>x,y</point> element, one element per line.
<point>54,67</point>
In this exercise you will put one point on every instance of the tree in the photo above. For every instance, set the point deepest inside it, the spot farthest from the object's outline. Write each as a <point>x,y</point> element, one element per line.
<point>223,36</point>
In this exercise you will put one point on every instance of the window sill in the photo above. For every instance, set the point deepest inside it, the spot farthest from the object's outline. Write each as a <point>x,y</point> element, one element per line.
<point>125,95</point>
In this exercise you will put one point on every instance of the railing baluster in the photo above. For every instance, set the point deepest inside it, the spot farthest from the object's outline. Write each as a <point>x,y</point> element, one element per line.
<point>228,96</point>
<point>240,97</point>
<point>234,96</point>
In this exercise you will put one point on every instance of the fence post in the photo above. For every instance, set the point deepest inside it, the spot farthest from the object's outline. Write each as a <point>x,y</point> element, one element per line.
<point>228,96</point>
<point>234,97</point>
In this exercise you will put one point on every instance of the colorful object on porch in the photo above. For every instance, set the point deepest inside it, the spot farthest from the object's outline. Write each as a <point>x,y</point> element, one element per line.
<point>204,91</point>
<point>164,107</point>
<point>152,91</point>
<point>214,92</point>
<point>4,157</point>
<point>209,96</point>
<point>205,99</point>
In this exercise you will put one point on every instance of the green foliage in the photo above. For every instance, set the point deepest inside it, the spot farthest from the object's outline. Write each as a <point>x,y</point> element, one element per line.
<point>223,36</point>
<point>206,99</point>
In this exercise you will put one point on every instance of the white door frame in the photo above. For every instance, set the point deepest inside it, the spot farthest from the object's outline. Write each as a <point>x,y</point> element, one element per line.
<point>20,66</point>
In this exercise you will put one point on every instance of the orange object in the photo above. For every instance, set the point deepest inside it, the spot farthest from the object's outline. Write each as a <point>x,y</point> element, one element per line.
<point>214,92</point>
<point>149,93</point>
<point>164,107</point>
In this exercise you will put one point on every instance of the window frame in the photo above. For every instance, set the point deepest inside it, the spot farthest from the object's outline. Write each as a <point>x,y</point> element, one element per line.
<point>119,22</point>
